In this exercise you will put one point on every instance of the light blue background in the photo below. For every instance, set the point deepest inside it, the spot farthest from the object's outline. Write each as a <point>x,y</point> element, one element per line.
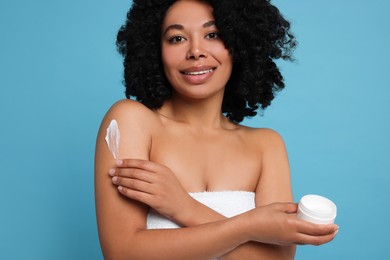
<point>59,73</point>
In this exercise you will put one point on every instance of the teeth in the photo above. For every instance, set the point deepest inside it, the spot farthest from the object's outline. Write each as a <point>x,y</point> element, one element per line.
<point>198,72</point>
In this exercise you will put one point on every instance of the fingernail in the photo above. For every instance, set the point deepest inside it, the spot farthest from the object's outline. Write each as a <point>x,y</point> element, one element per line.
<point>111,172</point>
<point>114,179</point>
<point>119,162</point>
<point>120,188</point>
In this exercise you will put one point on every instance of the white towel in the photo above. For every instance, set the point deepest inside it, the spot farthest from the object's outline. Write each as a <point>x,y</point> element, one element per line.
<point>227,203</point>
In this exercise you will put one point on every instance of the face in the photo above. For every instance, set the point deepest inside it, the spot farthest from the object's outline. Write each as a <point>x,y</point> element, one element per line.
<point>195,60</point>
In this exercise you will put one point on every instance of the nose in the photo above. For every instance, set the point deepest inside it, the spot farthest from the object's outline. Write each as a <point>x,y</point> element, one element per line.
<point>196,50</point>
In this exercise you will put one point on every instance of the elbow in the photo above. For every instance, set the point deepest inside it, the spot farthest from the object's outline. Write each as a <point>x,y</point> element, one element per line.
<point>118,254</point>
<point>114,254</point>
<point>116,251</point>
<point>123,250</point>
<point>277,252</point>
<point>288,252</point>
<point>122,247</point>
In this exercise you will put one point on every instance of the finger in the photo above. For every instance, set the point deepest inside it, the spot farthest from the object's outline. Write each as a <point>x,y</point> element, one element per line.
<point>304,239</point>
<point>136,174</point>
<point>290,208</point>
<point>133,184</point>
<point>137,163</point>
<point>287,207</point>
<point>136,195</point>
<point>312,229</point>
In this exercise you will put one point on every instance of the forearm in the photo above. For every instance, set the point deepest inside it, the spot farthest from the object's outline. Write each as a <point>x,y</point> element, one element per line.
<point>199,242</point>
<point>201,214</point>
<point>258,251</point>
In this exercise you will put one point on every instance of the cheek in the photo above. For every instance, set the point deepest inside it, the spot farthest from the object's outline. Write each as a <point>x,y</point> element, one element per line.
<point>226,60</point>
<point>165,57</point>
<point>223,55</point>
<point>227,56</point>
<point>170,57</point>
<point>169,62</point>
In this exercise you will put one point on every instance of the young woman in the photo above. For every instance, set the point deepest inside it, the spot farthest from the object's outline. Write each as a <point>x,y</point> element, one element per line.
<point>192,183</point>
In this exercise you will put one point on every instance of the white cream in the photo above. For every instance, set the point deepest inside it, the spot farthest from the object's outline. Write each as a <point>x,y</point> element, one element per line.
<point>112,138</point>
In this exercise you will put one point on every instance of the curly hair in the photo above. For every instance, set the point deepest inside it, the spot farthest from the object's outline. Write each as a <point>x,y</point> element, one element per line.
<point>254,32</point>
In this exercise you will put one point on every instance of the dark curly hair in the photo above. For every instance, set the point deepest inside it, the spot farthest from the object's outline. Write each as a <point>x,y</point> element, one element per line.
<point>253,31</point>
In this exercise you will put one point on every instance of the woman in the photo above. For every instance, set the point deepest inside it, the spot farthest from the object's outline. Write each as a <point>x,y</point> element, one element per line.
<point>198,68</point>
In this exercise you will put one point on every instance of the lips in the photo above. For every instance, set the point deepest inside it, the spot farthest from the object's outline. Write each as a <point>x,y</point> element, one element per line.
<point>198,75</point>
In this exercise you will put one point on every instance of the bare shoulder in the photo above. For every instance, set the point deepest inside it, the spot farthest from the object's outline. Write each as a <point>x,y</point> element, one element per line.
<point>263,137</point>
<point>130,111</point>
<point>136,124</point>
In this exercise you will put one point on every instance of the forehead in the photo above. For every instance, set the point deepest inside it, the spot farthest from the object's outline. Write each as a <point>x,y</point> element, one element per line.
<point>188,12</point>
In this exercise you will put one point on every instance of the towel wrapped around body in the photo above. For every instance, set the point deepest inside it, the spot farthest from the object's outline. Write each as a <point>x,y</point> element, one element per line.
<point>227,203</point>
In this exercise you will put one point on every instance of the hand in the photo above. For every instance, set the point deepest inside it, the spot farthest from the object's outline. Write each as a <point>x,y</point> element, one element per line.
<point>278,224</point>
<point>152,184</point>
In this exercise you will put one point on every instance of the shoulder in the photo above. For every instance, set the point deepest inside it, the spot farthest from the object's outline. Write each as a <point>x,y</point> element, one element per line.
<point>130,113</point>
<point>136,125</point>
<point>130,109</point>
<point>263,136</point>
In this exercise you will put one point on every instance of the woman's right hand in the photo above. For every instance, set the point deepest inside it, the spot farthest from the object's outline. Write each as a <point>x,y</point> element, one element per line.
<point>277,223</point>
<point>154,185</point>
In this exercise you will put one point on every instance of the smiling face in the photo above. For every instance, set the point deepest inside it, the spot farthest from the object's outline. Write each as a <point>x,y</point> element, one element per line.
<point>195,60</point>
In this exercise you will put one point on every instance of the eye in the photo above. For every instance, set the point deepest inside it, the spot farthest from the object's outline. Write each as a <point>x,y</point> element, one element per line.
<point>176,39</point>
<point>212,35</point>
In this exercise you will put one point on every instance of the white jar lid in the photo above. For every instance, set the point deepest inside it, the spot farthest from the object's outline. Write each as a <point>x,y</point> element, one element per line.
<point>317,207</point>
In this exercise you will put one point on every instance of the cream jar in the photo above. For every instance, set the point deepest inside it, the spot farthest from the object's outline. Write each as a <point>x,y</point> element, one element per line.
<point>317,209</point>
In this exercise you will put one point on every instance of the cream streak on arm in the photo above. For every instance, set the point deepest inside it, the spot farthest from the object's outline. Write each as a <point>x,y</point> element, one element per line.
<point>113,138</point>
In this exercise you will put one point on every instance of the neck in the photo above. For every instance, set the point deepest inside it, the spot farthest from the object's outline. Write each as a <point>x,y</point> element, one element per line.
<point>198,114</point>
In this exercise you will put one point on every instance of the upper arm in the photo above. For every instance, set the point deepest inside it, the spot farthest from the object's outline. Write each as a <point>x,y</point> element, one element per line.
<point>117,216</point>
<point>274,183</point>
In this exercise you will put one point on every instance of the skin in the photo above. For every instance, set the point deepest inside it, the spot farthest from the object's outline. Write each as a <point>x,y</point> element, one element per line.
<point>189,146</point>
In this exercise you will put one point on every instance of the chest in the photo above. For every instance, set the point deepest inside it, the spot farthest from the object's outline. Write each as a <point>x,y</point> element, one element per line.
<point>223,161</point>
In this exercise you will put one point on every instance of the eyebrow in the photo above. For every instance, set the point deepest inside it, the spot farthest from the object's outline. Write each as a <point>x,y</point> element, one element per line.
<point>181,27</point>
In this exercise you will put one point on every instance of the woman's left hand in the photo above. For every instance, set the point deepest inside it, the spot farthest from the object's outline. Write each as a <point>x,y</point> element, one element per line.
<point>152,184</point>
